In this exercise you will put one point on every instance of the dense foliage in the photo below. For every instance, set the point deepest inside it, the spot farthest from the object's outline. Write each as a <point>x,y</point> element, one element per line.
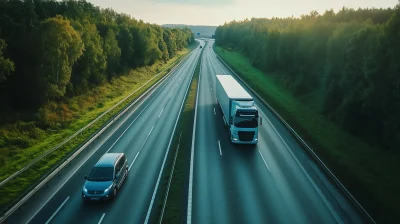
<point>345,64</point>
<point>52,50</point>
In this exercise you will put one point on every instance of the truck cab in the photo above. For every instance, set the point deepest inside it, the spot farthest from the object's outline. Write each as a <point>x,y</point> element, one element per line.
<point>244,122</point>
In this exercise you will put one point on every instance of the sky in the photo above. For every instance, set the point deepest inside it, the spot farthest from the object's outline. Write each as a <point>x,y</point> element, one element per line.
<point>217,12</point>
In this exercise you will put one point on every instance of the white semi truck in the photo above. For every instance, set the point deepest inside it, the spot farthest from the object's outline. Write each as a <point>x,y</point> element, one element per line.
<point>239,111</point>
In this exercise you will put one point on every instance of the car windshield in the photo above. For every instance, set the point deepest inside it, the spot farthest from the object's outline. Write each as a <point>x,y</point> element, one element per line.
<point>246,122</point>
<point>101,174</point>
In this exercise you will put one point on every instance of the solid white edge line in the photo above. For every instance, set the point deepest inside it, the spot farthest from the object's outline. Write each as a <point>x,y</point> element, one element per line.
<point>219,145</point>
<point>190,191</point>
<point>169,145</point>
<point>127,117</point>
<point>169,183</point>
<point>101,219</point>
<point>214,111</point>
<point>324,199</point>
<point>161,112</point>
<point>264,161</point>
<point>58,209</point>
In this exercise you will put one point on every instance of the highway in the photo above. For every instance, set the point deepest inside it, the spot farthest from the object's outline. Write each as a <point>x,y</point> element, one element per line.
<point>272,182</point>
<point>143,135</point>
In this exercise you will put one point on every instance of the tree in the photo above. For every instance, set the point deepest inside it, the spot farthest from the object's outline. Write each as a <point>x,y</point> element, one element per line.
<point>89,70</point>
<point>125,43</point>
<point>6,65</point>
<point>44,47</point>
<point>112,52</point>
<point>60,46</point>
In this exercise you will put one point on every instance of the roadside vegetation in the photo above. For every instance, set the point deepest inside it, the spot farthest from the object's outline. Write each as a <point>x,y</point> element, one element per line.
<point>62,64</point>
<point>177,196</point>
<point>335,79</point>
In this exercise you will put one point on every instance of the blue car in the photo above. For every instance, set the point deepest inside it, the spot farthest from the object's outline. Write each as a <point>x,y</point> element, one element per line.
<point>106,177</point>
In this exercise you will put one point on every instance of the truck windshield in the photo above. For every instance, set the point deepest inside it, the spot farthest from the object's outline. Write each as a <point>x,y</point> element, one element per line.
<point>246,122</point>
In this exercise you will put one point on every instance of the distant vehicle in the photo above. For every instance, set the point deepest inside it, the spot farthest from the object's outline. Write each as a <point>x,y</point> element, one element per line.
<point>106,177</point>
<point>201,46</point>
<point>239,111</point>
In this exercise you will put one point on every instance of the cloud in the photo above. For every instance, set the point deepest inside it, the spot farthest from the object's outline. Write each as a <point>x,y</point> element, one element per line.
<point>196,2</point>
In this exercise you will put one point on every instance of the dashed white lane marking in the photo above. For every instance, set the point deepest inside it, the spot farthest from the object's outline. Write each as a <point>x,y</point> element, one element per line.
<point>264,161</point>
<point>141,148</point>
<point>101,219</point>
<point>161,112</point>
<point>58,209</point>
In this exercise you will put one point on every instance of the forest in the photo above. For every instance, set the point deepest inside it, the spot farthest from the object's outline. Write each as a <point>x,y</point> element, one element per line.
<point>54,50</point>
<point>345,65</point>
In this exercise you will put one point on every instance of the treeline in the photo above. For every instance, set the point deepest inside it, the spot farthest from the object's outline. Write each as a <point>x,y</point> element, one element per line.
<point>346,64</point>
<point>52,50</point>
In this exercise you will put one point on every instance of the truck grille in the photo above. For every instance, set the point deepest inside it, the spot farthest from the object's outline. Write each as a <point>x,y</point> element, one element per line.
<point>95,192</point>
<point>246,135</point>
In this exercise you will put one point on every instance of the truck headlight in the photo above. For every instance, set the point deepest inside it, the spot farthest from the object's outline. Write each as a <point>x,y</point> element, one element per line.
<point>84,189</point>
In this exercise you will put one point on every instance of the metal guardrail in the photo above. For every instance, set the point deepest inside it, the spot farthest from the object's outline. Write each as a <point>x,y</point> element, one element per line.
<point>3,182</point>
<point>56,169</point>
<point>310,150</point>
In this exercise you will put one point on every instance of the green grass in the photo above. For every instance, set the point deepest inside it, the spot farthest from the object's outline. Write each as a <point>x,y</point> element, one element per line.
<point>369,173</point>
<point>83,109</point>
<point>175,203</point>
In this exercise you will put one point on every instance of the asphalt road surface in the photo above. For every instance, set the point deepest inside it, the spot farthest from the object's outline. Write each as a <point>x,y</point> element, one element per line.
<point>272,182</point>
<point>143,135</point>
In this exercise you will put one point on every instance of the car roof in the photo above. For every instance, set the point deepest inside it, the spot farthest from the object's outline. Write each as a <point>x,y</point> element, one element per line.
<point>108,160</point>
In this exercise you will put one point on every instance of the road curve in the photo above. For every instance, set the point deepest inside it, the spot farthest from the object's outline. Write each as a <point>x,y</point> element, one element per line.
<point>143,135</point>
<point>272,182</point>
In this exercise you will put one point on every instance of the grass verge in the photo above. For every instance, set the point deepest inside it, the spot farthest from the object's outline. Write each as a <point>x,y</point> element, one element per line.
<point>369,174</point>
<point>176,201</point>
<point>85,109</point>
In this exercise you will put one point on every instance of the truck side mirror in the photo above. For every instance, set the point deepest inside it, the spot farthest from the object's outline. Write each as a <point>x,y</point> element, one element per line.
<point>85,177</point>
<point>260,121</point>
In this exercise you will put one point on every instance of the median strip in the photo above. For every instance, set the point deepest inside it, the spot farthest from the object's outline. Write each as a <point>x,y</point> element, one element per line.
<point>172,207</point>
